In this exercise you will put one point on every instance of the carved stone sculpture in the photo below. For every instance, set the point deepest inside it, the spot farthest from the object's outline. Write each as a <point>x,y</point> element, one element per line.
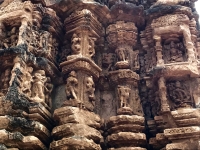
<point>48,90</point>
<point>28,80</point>
<point>179,94</point>
<point>90,88</point>
<point>76,44</point>
<point>123,93</point>
<point>38,87</point>
<point>71,86</point>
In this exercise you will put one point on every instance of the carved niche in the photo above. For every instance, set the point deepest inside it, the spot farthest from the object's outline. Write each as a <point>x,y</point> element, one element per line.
<point>179,94</point>
<point>174,51</point>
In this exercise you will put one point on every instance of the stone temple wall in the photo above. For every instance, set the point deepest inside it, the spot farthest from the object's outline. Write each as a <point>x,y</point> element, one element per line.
<point>99,75</point>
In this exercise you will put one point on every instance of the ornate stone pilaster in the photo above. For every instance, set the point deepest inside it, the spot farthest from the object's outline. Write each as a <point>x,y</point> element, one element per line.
<point>80,72</point>
<point>122,39</point>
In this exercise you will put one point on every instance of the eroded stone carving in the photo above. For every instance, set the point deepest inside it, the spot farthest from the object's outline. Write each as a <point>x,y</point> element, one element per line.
<point>174,52</point>
<point>123,93</point>
<point>179,94</point>
<point>71,86</point>
<point>76,44</point>
<point>38,87</point>
<point>90,88</point>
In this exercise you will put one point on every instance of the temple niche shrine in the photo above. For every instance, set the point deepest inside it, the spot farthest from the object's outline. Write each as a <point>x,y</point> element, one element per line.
<point>99,75</point>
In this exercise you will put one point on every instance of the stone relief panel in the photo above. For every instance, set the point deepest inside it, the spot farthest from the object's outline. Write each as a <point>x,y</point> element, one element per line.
<point>174,51</point>
<point>179,94</point>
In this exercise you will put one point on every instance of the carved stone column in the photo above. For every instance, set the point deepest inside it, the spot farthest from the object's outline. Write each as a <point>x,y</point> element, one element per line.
<point>174,41</point>
<point>81,72</point>
<point>122,39</point>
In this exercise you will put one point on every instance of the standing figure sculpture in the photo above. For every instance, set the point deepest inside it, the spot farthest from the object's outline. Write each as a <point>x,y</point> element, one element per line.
<point>76,44</point>
<point>26,86</point>
<point>123,93</point>
<point>39,80</point>
<point>71,86</point>
<point>90,89</point>
<point>122,54</point>
<point>179,95</point>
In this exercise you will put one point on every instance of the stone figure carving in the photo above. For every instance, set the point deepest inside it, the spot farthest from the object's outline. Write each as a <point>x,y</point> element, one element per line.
<point>27,82</point>
<point>48,90</point>
<point>174,52</point>
<point>179,94</point>
<point>123,93</point>
<point>71,86</point>
<point>76,44</point>
<point>122,54</point>
<point>38,87</point>
<point>136,59</point>
<point>90,88</point>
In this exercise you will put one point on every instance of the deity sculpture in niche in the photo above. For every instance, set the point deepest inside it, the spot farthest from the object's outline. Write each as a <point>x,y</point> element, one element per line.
<point>179,94</point>
<point>122,54</point>
<point>71,86</point>
<point>123,57</point>
<point>136,59</point>
<point>123,93</point>
<point>76,44</point>
<point>90,88</point>
<point>38,87</point>
<point>26,85</point>
<point>173,51</point>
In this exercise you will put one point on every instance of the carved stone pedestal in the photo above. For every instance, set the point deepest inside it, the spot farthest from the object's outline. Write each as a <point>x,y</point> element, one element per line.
<point>77,129</point>
<point>125,132</point>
